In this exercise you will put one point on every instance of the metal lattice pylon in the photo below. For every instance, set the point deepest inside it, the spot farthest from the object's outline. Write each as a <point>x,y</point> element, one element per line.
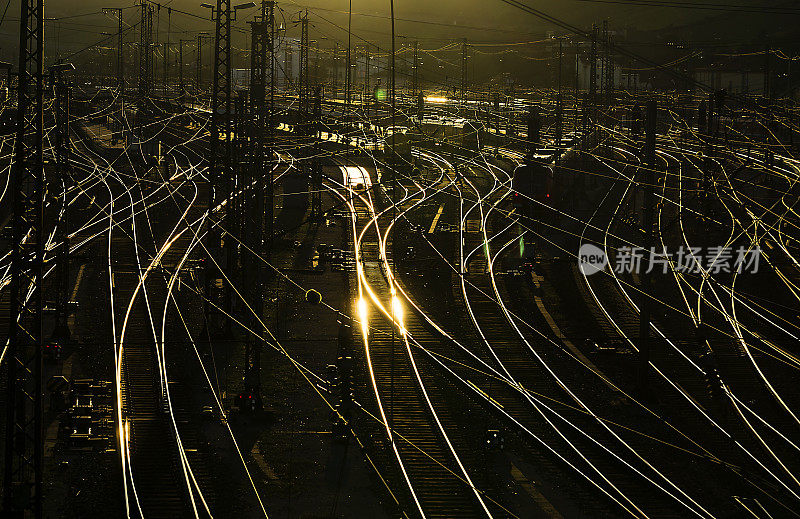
<point>608,65</point>
<point>240,158</point>
<point>146,51</point>
<point>221,102</point>
<point>304,80</point>
<point>593,67</point>
<point>22,485</point>
<point>270,187</point>
<point>261,173</point>
<point>260,178</point>
<point>220,171</point>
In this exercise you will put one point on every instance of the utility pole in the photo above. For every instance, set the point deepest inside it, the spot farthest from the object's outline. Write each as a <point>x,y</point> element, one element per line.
<point>270,188</point>
<point>24,438</point>
<point>154,43</point>
<point>61,332</point>
<point>611,75</point>
<point>220,159</point>
<point>166,47</point>
<point>335,69</point>
<point>367,87</point>
<point>464,73</point>
<point>559,102</point>
<point>608,65</point>
<point>316,166</point>
<point>593,68</point>
<point>255,224</point>
<point>145,66</point>
<point>180,67</point>
<point>288,67</point>
<point>767,72</point>
<point>577,83</point>
<point>260,69</point>
<point>258,221</point>
<point>119,64</point>
<point>348,72</point>
<point>315,77</point>
<point>145,50</point>
<point>304,80</point>
<point>236,219</point>
<point>603,62</point>
<point>708,162</point>
<point>199,65</point>
<point>415,71</point>
<point>316,188</point>
<point>120,60</point>
<point>648,207</point>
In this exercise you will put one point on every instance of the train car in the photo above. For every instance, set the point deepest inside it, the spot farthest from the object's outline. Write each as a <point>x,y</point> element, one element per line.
<point>532,183</point>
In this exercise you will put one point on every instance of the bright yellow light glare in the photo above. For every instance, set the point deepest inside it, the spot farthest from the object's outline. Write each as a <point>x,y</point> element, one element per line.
<point>363,314</point>
<point>435,99</point>
<point>397,312</point>
<point>124,431</point>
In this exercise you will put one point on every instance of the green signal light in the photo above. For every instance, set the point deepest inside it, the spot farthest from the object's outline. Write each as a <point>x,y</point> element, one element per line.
<point>380,94</point>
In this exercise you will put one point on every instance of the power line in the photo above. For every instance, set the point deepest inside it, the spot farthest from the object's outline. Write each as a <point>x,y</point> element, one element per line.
<point>98,43</point>
<point>409,20</point>
<point>611,46</point>
<point>706,7</point>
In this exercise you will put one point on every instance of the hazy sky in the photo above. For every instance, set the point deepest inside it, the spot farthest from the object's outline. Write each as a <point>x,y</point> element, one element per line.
<point>501,21</point>
<point>430,21</point>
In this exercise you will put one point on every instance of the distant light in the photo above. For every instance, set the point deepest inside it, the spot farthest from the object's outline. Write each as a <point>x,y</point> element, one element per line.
<point>207,5</point>
<point>380,94</point>
<point>62,67</point>
<point>363,314</point>
<point>356,176</point>
<point>435,99</point>
<point>397,313</point>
